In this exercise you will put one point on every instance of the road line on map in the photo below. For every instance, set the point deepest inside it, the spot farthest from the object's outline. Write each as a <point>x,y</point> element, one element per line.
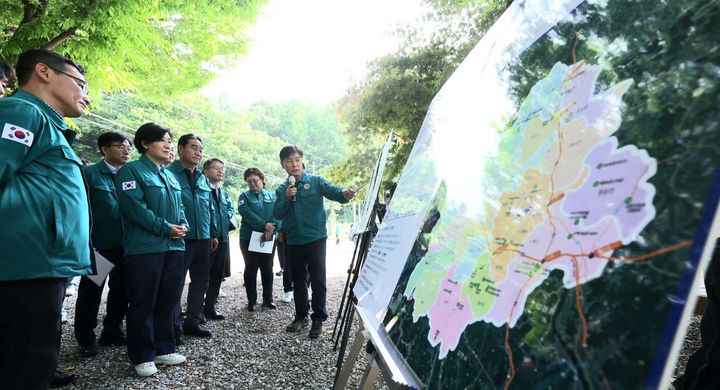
<point>578,301</point>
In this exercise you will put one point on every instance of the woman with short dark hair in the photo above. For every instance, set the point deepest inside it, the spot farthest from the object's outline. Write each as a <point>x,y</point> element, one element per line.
<point>154,226</point>
<point>256,207</point>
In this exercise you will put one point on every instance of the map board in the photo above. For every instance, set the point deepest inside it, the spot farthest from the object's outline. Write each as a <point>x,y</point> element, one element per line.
<point>548,227</point>
<point>373,189</point>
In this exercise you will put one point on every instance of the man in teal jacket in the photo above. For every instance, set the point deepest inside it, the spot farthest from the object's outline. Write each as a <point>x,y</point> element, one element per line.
<point>45,206</point>
<point>214,170</point>
<point>201,238</point>
<point>299,203</point>
<point>107,239</point>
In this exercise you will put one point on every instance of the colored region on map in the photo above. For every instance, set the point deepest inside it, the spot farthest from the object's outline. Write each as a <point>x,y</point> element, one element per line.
<point>563,196</point>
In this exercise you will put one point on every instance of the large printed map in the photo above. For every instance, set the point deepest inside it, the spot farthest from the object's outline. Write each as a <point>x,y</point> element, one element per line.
<point>551,219</point>
<point>578,197</point>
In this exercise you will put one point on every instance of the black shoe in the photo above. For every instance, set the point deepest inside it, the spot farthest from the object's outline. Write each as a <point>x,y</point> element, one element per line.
<point>110,338</point>
<point>178,337</point>
<point>251,307</point>
<point>297,325</point>
<point>196,330</point>
<point>315,329</point>
<point>61,379</point>
<point>214,316</point>
<point>88,351</point>
<point>269,305</point>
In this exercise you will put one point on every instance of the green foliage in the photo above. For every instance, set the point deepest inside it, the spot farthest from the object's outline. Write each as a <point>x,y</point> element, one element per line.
<point>400,86</point>
<point>228,137</point>
<point>155,47</point>
<point>315,129</point>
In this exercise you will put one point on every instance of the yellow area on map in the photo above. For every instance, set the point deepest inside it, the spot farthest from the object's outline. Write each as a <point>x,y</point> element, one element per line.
<point>520,212</point>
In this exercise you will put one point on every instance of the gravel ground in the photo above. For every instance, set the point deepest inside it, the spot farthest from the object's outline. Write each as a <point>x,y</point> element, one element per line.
<point>690,345</point>
<point>247,350</point>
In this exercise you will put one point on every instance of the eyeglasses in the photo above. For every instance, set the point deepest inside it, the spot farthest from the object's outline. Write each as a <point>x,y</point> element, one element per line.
<point>83,84</point>
<point>122,147</point>
<point>219,169</point>
<point>254,181</point>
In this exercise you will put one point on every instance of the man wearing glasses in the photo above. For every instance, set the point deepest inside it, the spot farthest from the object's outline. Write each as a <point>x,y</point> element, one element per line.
<point>45,208</point>
<point>107,239</point>
<point>214,170</point>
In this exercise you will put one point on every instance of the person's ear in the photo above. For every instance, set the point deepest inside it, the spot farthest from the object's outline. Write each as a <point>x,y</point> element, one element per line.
<point>42,71</point>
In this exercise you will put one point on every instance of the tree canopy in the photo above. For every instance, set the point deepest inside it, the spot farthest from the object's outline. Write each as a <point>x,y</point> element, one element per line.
<point>155,47</point>
<point>399,87</point>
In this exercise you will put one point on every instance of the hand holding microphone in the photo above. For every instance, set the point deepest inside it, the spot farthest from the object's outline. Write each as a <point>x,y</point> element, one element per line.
<point>291,192</point>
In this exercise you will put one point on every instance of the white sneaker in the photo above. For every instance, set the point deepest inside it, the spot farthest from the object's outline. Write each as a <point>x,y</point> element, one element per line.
<point>170,359</point>
<point>146,369</point>
<point>288,297</point>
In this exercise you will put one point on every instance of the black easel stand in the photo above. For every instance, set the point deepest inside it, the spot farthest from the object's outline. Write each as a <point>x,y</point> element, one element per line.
<point>343,322</point>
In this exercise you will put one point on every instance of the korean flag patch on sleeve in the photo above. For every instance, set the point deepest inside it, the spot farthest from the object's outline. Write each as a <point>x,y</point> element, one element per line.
<point>18,134</point>
<point>129,185</point>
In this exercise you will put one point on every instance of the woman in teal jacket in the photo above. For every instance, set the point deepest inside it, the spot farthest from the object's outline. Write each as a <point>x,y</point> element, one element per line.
<point>154,225</point>
<point>255,206</point>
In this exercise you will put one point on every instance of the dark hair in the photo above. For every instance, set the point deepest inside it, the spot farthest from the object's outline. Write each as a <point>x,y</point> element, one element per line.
<point>149,132</point>
<point>6,71</point>
<point>107,139</point>
<point>183,141</point>
<point>209,162</point>
<point>27,60</point>
<point>254,171</point>
<point>289,151</point>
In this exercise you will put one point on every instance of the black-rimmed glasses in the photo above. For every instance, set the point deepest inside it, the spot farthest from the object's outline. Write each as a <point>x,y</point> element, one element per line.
<point>83,84</point>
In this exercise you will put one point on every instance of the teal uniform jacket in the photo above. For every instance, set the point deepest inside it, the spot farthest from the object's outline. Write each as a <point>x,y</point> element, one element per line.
<point>43,201</point>
<point>304,220</point>
<point>198,202</point>
<point>256,210</point>
<point>151,202</point>
<point>224,210</point>
<point>107,220</point>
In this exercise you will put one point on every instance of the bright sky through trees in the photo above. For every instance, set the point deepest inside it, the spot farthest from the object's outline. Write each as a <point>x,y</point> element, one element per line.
<point>312,50</point>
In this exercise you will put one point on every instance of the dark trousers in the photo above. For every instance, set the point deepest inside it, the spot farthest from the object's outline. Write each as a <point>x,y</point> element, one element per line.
<point>309,259</point>
<point>197,261</point>
<point>88,301</point>
<point>217,273</point>
<point>226,269</point>
<point>253,262</point>
<point>153,288</point>
<point>703,368</point>
<point>30,332</point>
<point>282,259</point>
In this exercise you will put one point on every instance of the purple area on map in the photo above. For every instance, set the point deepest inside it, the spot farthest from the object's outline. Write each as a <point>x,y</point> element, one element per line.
<point>449,315</point>
<point>616,186</point>
<point>546,249</point>
<point>579,89</point>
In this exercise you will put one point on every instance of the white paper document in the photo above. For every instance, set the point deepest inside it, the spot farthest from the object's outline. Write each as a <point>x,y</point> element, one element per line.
<point>104,266</point>
<point>258,243</point>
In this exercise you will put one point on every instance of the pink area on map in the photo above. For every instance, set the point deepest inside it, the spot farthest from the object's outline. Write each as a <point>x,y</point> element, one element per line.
<point>541,253</point>
<point>512,294</point>
<point>582,242</point>
<point>449,315</point>
<point>617,186</point>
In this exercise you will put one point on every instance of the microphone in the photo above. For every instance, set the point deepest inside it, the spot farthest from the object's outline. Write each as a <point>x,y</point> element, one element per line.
<point>291,181</point>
